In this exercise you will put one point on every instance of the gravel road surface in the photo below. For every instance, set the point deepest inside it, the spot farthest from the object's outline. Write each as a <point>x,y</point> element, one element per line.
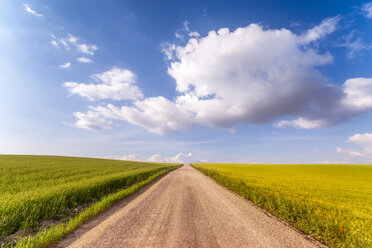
<point>186,209</point>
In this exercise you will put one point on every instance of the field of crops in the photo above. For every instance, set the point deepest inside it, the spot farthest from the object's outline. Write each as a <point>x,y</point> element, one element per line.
<point>36,188</point>
<point>333,203</point>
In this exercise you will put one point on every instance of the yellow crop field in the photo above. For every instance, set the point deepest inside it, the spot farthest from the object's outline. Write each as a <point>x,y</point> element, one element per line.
<point>333,203</point>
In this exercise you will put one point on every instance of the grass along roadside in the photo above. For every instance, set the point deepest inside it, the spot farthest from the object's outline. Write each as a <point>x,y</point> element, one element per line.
<point>34,189</point>
<point>332,203</point>
<point>54,233</point>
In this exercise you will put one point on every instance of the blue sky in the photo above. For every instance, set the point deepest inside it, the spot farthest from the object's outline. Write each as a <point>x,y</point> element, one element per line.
<point>217,81</point>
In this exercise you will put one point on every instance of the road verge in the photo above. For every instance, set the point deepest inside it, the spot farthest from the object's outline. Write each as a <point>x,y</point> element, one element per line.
<point>54,233</point>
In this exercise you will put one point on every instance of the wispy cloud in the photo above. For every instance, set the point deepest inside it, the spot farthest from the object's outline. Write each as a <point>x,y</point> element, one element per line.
<point>185,32</point>
<point>81,47</point>
<point>129,157</point>
<point>73,41</point>
<point>84,60</point>
<point>186,26</point>
<point>351,153</point>
<point>178,36</point>
<point>31,11</point>
<point>194,34</point>
<point>302,123</point>
<point>318,32</point>
<point>65,65</point>
<point>354,44</point>
<point>362,155</point>
<point>55,43</point>
<point>367,9</point>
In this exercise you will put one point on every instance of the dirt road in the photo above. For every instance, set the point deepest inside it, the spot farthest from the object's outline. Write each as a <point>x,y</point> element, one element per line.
<point>187,209</point>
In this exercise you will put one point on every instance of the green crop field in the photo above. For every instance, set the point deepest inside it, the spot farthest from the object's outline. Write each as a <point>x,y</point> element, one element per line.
<point>333,203</point>
<point>37,188</point>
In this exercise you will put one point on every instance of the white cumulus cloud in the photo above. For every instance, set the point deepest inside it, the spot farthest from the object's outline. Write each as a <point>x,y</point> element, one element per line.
<point>31,11</point>
<point>179,158</point>
<point>158,115</point>
<point>92,121</point>
<point>250,75</point>
<point>116,84</point>
<point>358,93</point>
<point>352,98</point>
<point>157,158</point>
<point>364,140</point>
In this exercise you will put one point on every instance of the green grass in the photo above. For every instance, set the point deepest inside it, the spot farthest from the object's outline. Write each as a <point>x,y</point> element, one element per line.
<point>333,203</point>
<point>36,188</point>
<point>51,235</point>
